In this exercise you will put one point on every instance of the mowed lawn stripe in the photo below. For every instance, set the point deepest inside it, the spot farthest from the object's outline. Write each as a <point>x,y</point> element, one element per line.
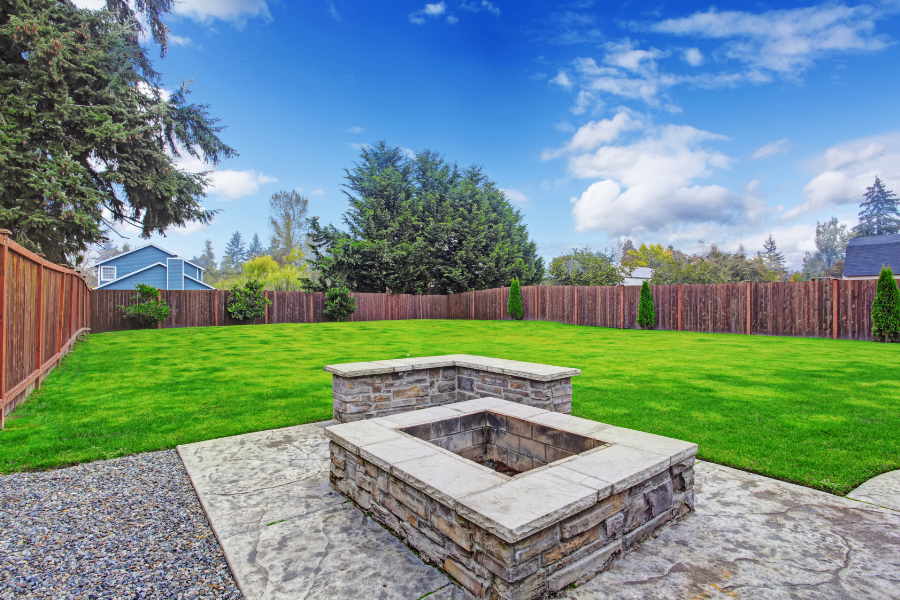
<point>821,413</point>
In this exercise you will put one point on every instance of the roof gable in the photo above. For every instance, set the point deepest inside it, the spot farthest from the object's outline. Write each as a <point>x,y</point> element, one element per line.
<point>136,250</point>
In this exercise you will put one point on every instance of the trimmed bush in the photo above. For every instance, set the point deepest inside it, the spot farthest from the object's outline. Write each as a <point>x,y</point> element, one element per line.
<point>248,302</point>
<point>150,309</point>
<point>886,309</point>
<point>514,306</point>
<point>646,317</point>
<point>338,304</point>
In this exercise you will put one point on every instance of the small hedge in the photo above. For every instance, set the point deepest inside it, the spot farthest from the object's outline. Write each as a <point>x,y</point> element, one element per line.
<point>338,304</point>
<point>150,309</point>
<point>248,302</point>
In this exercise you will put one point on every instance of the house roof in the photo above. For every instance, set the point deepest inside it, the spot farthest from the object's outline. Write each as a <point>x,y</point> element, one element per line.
<point>124,277</point>
<point>866,255</point>
<point>171,254</point>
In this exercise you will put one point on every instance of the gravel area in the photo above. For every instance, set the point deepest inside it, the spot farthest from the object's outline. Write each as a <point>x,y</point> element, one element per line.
<point>126,528</point>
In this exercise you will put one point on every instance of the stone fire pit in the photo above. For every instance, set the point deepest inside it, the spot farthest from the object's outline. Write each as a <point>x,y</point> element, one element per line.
<point>513,501</point>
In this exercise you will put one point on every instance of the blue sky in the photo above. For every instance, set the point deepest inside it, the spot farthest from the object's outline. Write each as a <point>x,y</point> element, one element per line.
<point>662,122</point>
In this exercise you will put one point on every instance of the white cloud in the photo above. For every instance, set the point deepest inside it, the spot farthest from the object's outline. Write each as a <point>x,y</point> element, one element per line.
<point>693,57</point>
<point>564,126</point>
<point>431,10</point>
<point>782,146</point>
<point>452,20</point>
<point>483,6</point>
<point>178,40</point>
<point>784,41</point>
<point>226,184</point>
<point>516,197</point>
<point>847,169</point>
<point>318,192</point>
<point>333,11</point>
<point>237,11</point>
<point>562,80</point>
<point>647,184</point>
<point>354,129</point>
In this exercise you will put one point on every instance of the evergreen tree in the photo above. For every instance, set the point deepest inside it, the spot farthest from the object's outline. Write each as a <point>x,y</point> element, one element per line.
<point>832,238</point>
<point>514,305</point>
<point>235,253</point>
<point>256,248</point>
<point>879,214</point>
<point>582,266</point>
<point>646,315</point>
<point>207,259</point>
<point>886,308</point>
<point>773,258</point>
<point>421,225</point>
<point>87,140</point>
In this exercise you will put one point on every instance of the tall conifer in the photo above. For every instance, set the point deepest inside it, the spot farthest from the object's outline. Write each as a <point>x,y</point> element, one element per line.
<point>879,214</point>
<point>646,315</point>
<point>886,308</point>
<point>514,306</point>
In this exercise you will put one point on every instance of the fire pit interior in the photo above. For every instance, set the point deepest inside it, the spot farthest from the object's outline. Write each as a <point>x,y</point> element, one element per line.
<point>508,445</point>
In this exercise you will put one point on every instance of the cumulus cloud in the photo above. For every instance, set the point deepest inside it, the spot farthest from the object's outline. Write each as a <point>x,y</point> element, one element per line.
<point>646,181</point>
<point>225,184</point>
<point>693,57</point>
<point>785,41</point>
<point>483,6</point>
<point>845,171</point>
<point>237,11</point>
<point>562,80</point>
<point>179,40</point>
<point>354,129</point>
<point>780,147</point>
<point>430,10</point>
<point>516,197</point>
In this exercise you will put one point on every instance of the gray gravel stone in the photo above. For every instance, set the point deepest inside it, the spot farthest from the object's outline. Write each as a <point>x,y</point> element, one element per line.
<point>128,528</point>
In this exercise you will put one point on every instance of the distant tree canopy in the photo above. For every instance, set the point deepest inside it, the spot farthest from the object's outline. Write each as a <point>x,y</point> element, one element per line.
<point>879,214</point>
<point>583,266</point>
<point>87,137</point>
<point>713,265</point>
<point>421,225</point>
<point>832,238</point>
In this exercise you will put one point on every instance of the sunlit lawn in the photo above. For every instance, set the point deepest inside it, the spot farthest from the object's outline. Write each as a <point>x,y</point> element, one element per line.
<point>821,413</point>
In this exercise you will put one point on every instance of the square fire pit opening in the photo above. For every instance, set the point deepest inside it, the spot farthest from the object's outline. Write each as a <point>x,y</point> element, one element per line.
<point>508,445</point>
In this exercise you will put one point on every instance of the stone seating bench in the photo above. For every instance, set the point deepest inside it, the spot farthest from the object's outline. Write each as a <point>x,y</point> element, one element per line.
<point>365,390</point>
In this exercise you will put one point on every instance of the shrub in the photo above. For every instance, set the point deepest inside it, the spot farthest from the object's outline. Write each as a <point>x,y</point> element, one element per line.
<point>886,309</point>
<point>150,309</point>
<point>247,302</point>
<point>514,306</point>
<point>646,317</point>
<point>338,304</point>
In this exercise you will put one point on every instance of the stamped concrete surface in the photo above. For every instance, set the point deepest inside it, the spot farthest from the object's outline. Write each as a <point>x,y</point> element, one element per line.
<point>287,534</point>
<point>883,491</point>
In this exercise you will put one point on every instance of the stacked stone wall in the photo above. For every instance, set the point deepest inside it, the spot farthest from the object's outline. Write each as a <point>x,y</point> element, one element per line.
<point>537,567</point>
<point>371,396</point>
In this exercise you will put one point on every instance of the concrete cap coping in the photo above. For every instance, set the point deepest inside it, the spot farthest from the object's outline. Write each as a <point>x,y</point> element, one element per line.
<point>512,368</point>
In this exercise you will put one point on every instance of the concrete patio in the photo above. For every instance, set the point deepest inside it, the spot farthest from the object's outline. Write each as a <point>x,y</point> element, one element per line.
<point>287,534</point>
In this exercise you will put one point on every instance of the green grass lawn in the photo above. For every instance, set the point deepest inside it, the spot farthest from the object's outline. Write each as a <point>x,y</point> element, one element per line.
<point>821,413</point>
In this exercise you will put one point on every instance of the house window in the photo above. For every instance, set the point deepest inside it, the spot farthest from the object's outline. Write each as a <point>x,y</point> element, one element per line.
<point>107,273</point>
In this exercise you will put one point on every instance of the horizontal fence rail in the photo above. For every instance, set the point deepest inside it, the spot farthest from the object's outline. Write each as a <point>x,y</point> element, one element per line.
<point>827,309</point>
<point>43,309</point>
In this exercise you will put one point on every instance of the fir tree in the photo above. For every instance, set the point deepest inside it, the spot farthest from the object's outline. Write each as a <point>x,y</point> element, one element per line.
<point>207,259</point>
<point>256,248</point>
<point>886,308</point>
<point>87,138</point>
<point>774,259</point>
<point>646,315</point>
<point>879,214</point>
<point>514,305</point>
<point>235,253</point>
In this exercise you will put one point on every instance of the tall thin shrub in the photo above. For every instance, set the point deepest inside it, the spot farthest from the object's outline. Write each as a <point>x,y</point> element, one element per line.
<point>886,308</point>
<point>646,317</point>
<point>514,305</point>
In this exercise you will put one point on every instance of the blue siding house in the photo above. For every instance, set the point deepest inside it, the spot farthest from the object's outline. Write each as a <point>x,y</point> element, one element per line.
<point>150,265</point>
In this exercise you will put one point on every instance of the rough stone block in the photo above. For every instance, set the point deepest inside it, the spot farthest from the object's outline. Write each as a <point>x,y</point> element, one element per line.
<point>583,568</point>
<point>593,516</point>
<point>530,588</point>
<point>635,537</point>
<point>409,497</point>
<point>571,545</point>
<point>660,498</point>
<point>506,573</point>
<point>512,554</point>
<point>614,525</point>
<point>465,577</point>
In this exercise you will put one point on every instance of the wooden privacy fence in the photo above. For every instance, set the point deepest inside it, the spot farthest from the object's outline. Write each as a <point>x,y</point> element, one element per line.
<point>43,309</point>
<point>829,309</point>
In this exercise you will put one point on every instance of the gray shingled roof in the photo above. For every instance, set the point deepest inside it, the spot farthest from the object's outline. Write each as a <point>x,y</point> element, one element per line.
<point>866,255</point>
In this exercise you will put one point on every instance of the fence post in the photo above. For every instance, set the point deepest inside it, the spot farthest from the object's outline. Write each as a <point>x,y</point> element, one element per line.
<point>748,308</point>
<point>40,320</point>
<point>576,305</point>
<point>834,311</point>
<point>679,306</point>
<point>420,306</point>
<point>4,252</point>
<point>62,318</point>
<point>621,307</point>
<point>158,299</point>
<point>473,305</point>
<point>216,307</point>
